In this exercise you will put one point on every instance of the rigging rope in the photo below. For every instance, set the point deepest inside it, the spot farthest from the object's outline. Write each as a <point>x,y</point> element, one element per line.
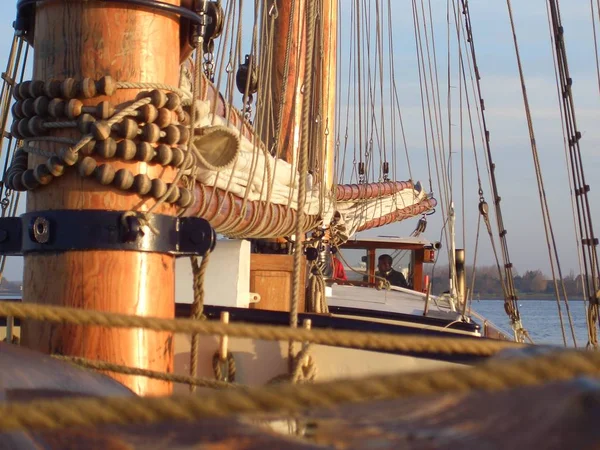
<point>427,118</point>
<point>302,169</point>
<point>510,298</point>
<point>170,377</point>
<point>593,17</point>
<point>351,339</point>
<point>199,273</point>
<point>570,177</point>
<point>573,136</point>
<point>288,398</point>
<point>548,228</point>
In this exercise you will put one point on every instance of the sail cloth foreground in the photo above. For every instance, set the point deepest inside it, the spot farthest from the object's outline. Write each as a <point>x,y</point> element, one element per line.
<point>253,194</point>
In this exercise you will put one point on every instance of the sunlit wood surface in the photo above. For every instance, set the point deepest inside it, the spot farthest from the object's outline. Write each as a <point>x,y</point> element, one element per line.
<point>92,39</point>
<point>555,416</point>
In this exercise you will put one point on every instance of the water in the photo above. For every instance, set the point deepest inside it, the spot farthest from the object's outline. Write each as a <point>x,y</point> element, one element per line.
<point>540,318</point>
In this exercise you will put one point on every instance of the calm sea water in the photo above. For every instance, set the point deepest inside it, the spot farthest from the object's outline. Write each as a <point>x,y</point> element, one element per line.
<point>540,318</point>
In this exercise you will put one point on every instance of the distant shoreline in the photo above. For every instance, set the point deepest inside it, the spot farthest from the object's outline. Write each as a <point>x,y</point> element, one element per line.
<point>526,297</point>
<point>487,297</point>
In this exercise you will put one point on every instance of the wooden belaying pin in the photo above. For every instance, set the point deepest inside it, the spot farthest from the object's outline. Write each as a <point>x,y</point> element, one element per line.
<point>306,324</point>
<point>224,339</point>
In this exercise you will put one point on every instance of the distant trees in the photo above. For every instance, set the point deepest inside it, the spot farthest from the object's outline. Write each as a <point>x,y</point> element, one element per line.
<point>9,286</point>
<point>487,282</point>
<point>531,281</point>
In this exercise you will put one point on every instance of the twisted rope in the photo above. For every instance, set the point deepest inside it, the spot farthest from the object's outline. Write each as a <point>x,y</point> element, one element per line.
<point>117,368</point>
<point>199,271</point>
<point>351,339</point>
<point>224,369</point>
<point>315,293</point>
<point>185,95</point>
<point>302,172</point>
<point>287,398</point>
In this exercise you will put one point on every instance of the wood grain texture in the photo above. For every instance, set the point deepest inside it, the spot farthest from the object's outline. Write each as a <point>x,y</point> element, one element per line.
<point>26,375</point>
<point>329,18</point>
<point>417,274</point>
<point>289,137</point>
<point>92,39</point>
<point>553,416</point>
<point>271,278</point>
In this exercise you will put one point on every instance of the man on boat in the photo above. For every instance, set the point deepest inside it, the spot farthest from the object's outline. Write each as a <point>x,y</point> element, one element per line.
<point>395,278</point>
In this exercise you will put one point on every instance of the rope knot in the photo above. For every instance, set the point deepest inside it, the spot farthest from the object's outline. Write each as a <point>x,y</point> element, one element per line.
<point>305,369</point>
<point>224,369</point>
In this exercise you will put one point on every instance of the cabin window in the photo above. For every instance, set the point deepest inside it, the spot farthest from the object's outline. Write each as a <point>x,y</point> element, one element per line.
<point>360,265</point>
<point>355,262</point>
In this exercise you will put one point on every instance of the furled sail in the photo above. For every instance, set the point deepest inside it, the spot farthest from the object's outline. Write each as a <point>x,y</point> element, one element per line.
<point>244,191</point>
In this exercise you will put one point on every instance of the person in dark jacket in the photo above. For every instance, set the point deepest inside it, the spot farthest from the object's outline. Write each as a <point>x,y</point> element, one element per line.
<point>384,264</point>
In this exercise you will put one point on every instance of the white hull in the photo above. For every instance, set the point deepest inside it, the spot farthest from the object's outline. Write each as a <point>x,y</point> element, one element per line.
<point>258,362</point>
<point>395,300</point>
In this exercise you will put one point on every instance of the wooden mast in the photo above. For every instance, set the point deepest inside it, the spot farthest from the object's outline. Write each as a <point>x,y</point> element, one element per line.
<point>92,39</point>
<point>271,274</point>
<point>329,18</point>
<point>291,117</point>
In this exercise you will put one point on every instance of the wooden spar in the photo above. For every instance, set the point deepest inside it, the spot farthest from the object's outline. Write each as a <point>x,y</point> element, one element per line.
<point>224,210</point>
<point>329,18</point>
<point>400,214</point>
<point>92,39</point>
<point>344,192</point>
<point>348,192</point>
<point>288,141</point>
<point>260,219</point>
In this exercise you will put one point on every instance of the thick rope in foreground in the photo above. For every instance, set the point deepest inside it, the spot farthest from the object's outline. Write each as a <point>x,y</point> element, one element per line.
<point>287,398</point>
<point>118,368</point>
<point>199,271</point>
<point>352,339</point>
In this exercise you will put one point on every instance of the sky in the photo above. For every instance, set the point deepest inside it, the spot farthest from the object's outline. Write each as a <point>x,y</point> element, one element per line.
<point>507,124</point>
<point>505,115</point>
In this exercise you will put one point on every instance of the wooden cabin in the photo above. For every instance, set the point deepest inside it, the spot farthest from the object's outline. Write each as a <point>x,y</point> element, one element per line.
<point>417,252</point>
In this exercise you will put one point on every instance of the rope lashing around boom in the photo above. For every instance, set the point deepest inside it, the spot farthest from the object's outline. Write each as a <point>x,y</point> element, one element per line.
<point>288,398</point>
<point>351,339</point>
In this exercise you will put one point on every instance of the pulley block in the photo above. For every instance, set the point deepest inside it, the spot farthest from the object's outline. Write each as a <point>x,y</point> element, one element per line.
<point>241,78</point>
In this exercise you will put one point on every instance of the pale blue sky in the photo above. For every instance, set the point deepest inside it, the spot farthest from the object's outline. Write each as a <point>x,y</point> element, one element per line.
<point>510,142</point>
<point>506,121</point>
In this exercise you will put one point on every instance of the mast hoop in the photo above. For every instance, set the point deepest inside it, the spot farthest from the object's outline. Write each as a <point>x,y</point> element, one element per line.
<point>26,10</point>
<point>56,231</point>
